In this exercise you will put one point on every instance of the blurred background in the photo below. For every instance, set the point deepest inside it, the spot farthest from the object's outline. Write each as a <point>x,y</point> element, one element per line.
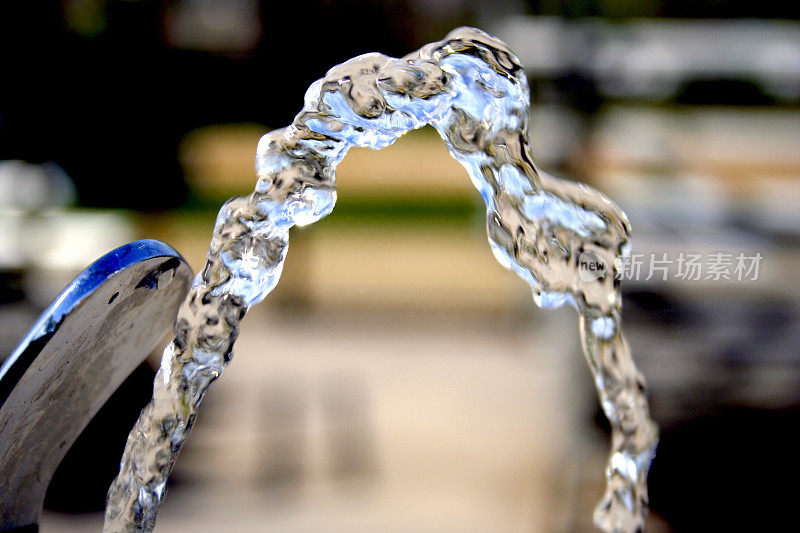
<point>398,379</point>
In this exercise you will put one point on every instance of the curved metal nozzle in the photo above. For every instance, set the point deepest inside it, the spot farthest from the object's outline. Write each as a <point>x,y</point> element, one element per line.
<point>98,330</point>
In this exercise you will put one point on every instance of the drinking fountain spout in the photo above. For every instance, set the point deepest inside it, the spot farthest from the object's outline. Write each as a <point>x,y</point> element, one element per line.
<point>98,330</point>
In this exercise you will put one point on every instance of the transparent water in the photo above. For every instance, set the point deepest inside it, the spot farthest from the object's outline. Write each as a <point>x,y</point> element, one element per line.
<point>471,88</point>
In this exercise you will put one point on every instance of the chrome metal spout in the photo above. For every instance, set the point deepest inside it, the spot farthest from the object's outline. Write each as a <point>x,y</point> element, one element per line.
<point>98,330</point>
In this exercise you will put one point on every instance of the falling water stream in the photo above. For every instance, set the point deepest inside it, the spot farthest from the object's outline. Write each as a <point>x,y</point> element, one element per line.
<point>471,88</point>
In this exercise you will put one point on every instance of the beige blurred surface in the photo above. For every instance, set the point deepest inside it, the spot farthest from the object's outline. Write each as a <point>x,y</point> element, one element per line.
<point>398,379</point>
<point>219,160</point>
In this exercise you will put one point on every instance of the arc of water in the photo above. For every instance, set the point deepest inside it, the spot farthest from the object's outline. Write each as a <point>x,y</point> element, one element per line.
<point>471,88</point>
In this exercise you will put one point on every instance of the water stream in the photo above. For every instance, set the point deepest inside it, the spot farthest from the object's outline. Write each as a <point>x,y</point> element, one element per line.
<point>471,88</point>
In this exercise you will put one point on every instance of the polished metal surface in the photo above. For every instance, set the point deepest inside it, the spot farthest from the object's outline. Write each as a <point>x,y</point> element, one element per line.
<point>98,330</point>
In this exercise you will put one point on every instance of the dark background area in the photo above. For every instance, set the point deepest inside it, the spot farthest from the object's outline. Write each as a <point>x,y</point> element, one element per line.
<point>97,86</point>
